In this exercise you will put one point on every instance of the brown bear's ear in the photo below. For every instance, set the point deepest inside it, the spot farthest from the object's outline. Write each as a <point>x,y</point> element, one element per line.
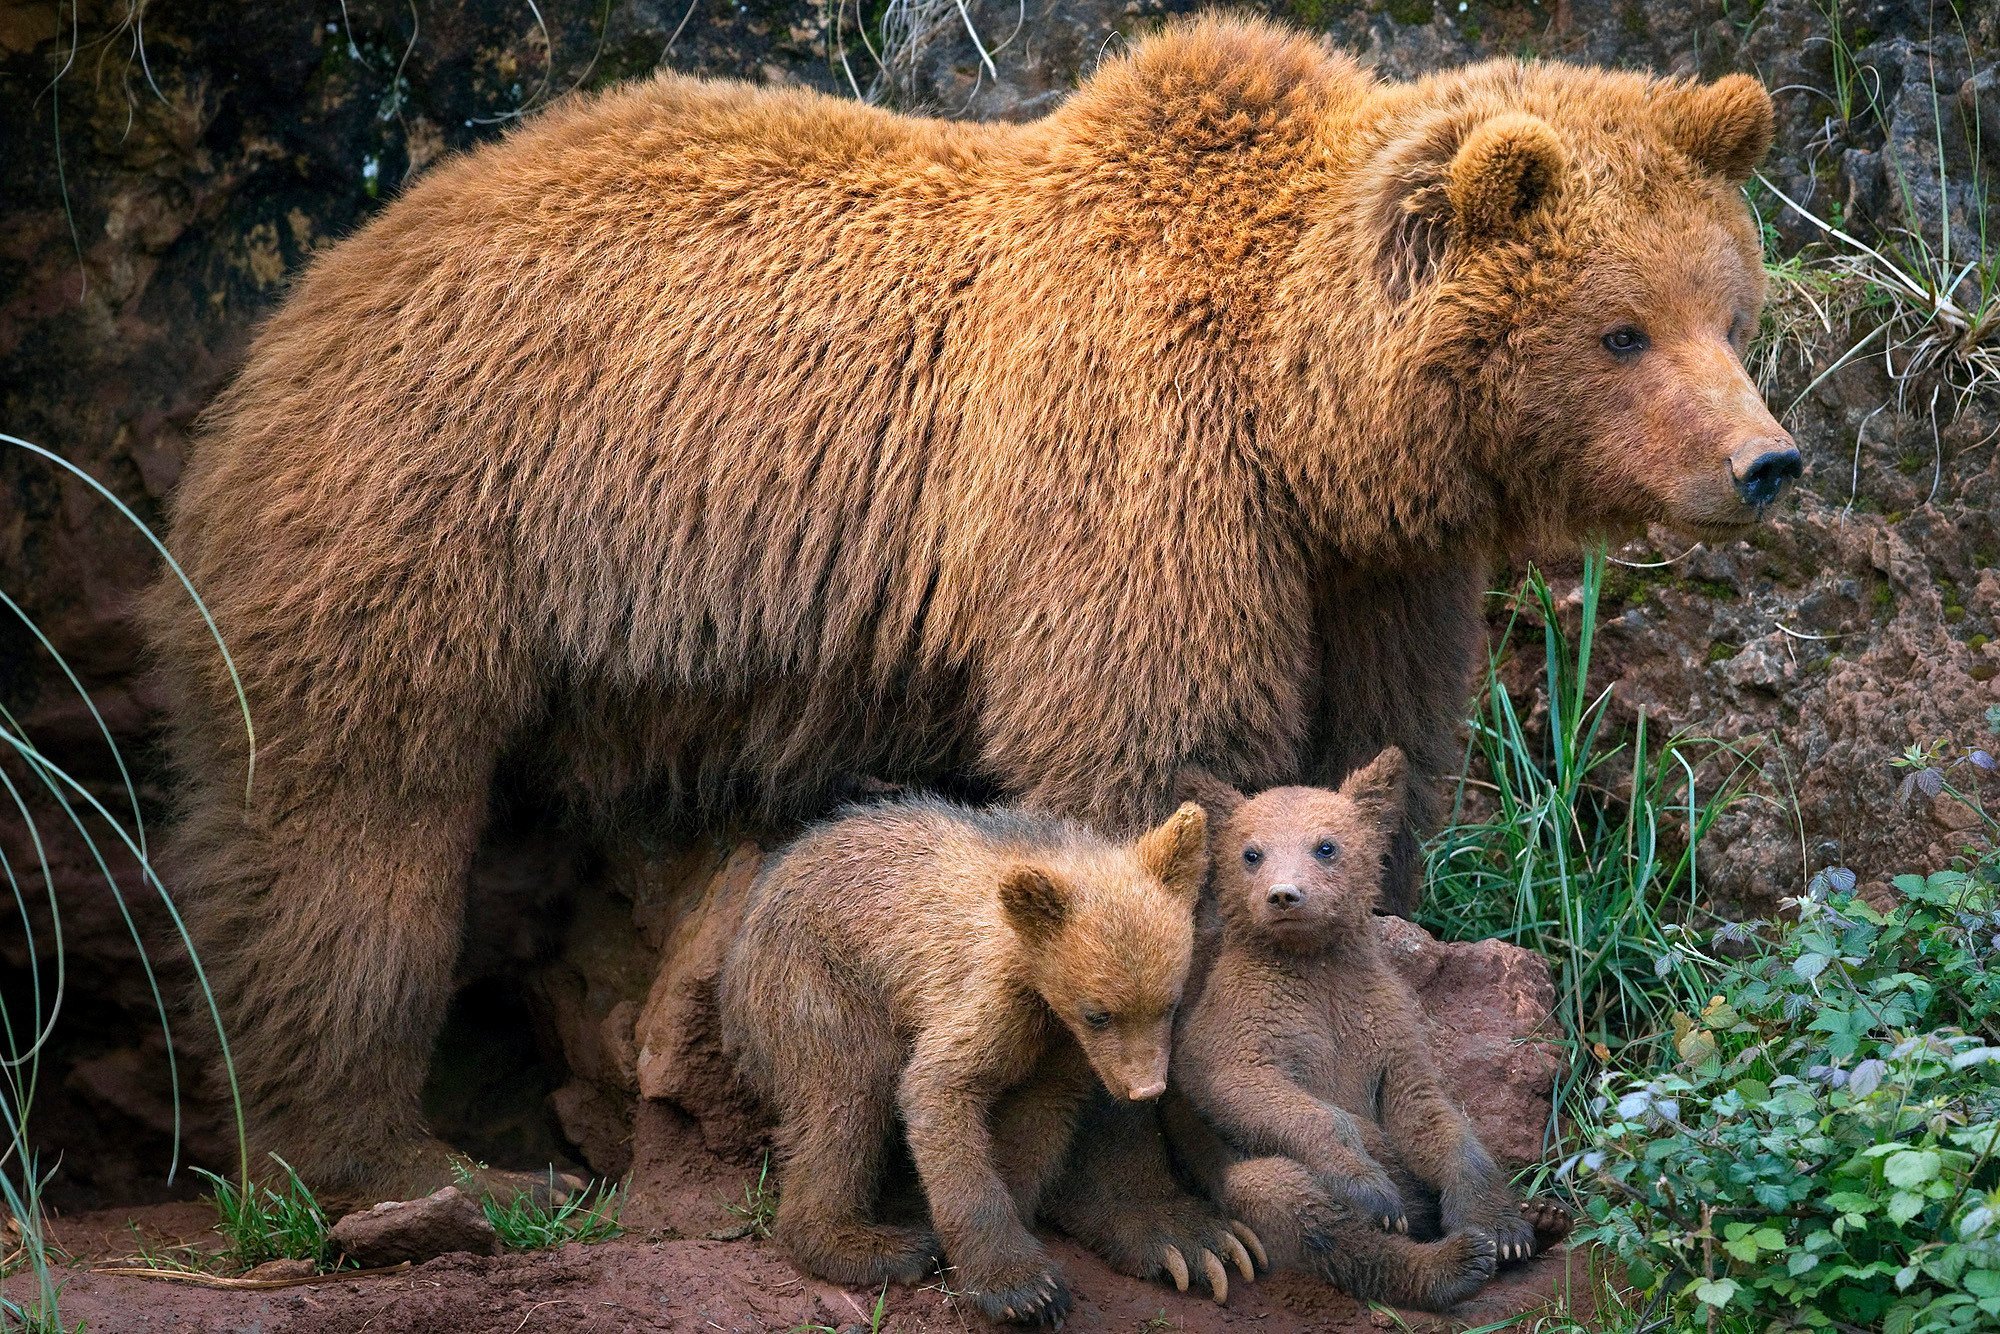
<point>1177,852</point>
<point>1725,127</point>
<point>1035,902</point>
<point>1378,787</point>
<point>1446,177</point>
<point>1502,172</point>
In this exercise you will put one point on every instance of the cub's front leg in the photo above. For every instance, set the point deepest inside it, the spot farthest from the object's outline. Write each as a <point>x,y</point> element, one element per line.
<point>1118,1195</point>
<point>994,1262</point>
<point>1434,1140</point>
<point>1261,1111</point>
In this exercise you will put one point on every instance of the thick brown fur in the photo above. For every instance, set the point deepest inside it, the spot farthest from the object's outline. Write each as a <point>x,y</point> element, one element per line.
<point>719,444</point>
<point>965,973</point>
<point>1307,1098</point>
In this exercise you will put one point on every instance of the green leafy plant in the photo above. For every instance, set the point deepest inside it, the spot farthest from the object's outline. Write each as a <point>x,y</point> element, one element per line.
<point>1824,1150</point>
<point>259,1223</point>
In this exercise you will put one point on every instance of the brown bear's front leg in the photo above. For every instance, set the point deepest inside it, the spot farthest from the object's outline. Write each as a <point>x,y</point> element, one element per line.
<point>994,1261</point>
<point>1396,668</point>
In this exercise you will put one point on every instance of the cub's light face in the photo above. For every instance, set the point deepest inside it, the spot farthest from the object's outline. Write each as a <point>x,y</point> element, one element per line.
<point>1645,381</point>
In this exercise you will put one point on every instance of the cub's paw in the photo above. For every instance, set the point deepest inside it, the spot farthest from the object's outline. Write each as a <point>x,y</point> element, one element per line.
<point>1457,1267</point>
<point>1372,1199</point>
<point>1551,1222</point>
<point>1032,1293</point>
<point>1514,1238</point>
<point>863,1255</point>
<point>1192,1244</point>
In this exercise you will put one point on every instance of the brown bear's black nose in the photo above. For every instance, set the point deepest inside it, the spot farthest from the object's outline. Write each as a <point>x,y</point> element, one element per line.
<point>1768,474</point>
<point>1286,896</point>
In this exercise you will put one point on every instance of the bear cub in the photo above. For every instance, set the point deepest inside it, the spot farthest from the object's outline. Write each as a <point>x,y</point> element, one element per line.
<point>1307,1098</point>
<point>971,974</point>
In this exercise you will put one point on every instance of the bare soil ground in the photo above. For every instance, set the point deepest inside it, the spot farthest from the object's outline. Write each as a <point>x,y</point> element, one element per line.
<point>669,1273</point>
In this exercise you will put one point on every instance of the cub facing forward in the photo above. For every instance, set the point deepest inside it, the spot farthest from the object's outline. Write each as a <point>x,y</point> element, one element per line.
<point>1307,1098</point>
<point>968,971</point>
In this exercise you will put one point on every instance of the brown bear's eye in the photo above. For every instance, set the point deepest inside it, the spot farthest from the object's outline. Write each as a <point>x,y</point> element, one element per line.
<point>1327,850</point>
<point>1625,342</point>
<point>1251,856</point>
<point>1096,1018</point>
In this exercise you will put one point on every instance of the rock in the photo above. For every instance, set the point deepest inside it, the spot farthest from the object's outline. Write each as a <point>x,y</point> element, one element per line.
<point>1491,1008</point>
<point>441,1223</point>
<point>283,1269</point>
<point>680,1056</point>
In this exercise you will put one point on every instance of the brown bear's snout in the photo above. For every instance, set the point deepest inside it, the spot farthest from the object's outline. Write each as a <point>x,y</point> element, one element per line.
<point>1763,468</point>
<point>1285,896</point>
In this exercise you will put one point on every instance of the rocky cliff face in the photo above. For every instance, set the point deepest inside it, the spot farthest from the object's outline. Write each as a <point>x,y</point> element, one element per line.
<point>169,167</point>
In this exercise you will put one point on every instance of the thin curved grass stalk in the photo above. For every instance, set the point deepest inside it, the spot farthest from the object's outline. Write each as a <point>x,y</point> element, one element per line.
<point>235,681</point>
<point>85,812</point>
<point>103,728</point>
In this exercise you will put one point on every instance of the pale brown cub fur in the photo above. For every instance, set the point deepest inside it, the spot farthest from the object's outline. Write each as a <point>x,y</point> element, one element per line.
<point>1307,1098</point>
<point>968,971</point>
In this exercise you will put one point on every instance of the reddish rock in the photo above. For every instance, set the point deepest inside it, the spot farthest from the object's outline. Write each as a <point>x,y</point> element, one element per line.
<point>272,1270</point>
<point>1491,1008</point>
<point>680,1058</point>
<point>442,1223</point>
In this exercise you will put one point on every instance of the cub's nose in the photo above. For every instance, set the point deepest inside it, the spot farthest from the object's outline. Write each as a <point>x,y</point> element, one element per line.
<point>1286,896</point>
<point>1763,468</point>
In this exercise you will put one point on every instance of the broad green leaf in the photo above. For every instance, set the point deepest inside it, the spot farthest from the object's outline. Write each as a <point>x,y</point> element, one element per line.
<point>1911,1167</point>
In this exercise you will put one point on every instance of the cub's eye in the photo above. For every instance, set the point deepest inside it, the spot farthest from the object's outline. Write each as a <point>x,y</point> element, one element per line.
<point>1251,856</point>
<point>1327,850</point>
<point>1097,1018</point>
<point>1625,342</point>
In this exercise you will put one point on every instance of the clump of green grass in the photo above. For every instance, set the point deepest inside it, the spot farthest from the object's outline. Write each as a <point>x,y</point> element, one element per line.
<point>759,1210</point>
<point>526,1224</point>
<point>881,1308</point>
<point>1583,847</point>
<point>259,1223</point>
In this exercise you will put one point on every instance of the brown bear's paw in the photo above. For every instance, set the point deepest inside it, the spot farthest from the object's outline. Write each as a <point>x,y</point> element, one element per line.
<point>1372,1198</point>
<point>1029,1292</point>
<point>1457,1267</point>
<point>1551,1222</point>
<point>863,1255</point>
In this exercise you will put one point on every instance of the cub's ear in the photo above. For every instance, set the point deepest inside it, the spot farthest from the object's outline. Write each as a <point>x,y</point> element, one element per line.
<point>1177,851</point>
<point>1502,172</point>
<point>1217,798</point>
<point>1725,126</point>
<point>1448,177</point>
<point>1035,902</point>
<point>1379,786</point>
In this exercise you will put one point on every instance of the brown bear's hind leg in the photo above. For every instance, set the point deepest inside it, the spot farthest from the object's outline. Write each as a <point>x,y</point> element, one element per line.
<point>1388,1267</point>
<point>328,936</point>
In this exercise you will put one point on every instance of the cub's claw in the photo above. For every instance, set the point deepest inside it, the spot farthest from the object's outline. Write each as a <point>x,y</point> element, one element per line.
<point>1176,1264</point>
<point>1249,1238</point>
<point>1218,1277</point>
<point>1043,1301</point>
<point>1242,1257</point>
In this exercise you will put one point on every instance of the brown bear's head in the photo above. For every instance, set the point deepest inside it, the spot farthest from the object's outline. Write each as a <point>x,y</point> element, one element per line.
<point>1297,869</point>
<point>1573,249</point>
<point>1108,933</point>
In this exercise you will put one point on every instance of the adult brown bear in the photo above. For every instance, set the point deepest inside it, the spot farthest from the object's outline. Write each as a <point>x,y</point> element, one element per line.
<point>725,443</point>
